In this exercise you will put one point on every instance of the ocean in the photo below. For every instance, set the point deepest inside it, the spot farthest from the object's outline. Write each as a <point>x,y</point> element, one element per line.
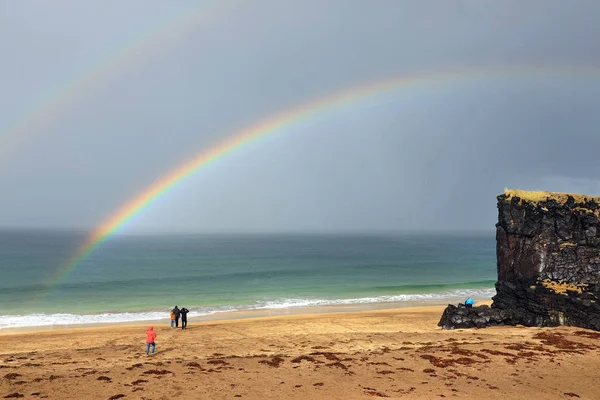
<point>136,278</point>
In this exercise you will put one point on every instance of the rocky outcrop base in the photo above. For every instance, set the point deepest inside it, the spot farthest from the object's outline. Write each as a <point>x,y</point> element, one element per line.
<point>542,303</point>
<point>477,317</point>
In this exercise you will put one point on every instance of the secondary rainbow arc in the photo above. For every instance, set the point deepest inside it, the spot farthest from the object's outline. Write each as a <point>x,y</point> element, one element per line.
<point>149,41</point>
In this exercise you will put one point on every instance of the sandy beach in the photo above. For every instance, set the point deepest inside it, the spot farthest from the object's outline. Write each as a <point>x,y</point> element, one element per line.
<point>394,353</point>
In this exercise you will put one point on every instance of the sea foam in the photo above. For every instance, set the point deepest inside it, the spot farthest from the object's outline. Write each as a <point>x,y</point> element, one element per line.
<point>40,320</point>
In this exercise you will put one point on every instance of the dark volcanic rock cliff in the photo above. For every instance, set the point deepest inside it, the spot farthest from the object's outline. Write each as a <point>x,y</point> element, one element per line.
<point>548,252</point>
<point>549,236</point>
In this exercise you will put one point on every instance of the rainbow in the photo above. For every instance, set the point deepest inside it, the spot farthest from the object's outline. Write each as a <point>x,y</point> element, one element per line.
<point>140,45</point>
<point>279,123</point>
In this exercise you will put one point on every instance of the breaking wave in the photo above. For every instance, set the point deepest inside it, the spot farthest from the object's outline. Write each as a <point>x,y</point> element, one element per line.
<point>41,320</point>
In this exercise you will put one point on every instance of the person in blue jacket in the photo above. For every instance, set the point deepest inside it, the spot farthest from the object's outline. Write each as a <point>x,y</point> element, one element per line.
<point>469,302</point>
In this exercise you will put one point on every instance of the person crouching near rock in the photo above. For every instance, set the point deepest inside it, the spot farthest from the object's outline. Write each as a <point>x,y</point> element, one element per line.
<point>469,302</point>
<point>150,337</point>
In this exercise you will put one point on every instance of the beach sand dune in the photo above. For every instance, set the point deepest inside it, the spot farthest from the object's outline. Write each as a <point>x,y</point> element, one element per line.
<point>391,354</point>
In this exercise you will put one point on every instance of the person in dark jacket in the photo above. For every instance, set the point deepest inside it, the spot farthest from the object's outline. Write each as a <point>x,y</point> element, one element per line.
<point>177,313</point>
<point>184,311</point>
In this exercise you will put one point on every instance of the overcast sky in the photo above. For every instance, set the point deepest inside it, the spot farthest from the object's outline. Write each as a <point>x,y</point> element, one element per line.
<point>134,88</point>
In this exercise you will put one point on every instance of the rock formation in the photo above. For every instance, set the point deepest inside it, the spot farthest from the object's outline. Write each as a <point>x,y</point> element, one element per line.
<point>548,255</point>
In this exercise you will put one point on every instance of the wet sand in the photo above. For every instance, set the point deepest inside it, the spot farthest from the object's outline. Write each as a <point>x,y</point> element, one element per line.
<point>397,353</point>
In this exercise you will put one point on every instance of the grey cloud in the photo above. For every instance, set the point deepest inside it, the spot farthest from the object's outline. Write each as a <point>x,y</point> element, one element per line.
<point>429,158</point>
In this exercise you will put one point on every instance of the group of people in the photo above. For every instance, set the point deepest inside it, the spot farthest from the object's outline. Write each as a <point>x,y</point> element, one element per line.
<point>176,313</point>
<point>182,313</point>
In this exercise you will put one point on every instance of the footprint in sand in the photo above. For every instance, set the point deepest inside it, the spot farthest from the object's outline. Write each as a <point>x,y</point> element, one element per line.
<point>134,366</point>
<point>157,372</point>
<point>306,358</point>
<point>217,362</point>
<point>385,372</point>
<point>275,362</point>
<point>338,365</point>
<point>374,392</point>
<point>406,391</point>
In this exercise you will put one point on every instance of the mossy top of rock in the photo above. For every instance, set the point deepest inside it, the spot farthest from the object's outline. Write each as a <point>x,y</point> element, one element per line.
<point>541,197</point>
<point>561,287</point>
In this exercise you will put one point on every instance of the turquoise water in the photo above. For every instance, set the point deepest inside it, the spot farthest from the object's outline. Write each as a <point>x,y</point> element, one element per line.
<point>141,277</point>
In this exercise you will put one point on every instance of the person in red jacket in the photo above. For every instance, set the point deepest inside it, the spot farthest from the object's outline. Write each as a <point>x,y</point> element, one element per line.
<point>150,336</point>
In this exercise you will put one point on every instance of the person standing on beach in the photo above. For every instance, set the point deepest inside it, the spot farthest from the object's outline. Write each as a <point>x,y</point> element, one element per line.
<point>176,312</point>
<point>184,311</point>
<point>172,319</point>
<point>150,337</point>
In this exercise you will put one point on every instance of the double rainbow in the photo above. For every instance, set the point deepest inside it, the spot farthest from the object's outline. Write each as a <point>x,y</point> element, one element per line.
<point>277,124</point>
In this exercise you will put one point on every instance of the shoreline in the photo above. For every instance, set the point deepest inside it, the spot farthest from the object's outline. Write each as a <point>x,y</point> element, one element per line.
<point>254,314</point>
